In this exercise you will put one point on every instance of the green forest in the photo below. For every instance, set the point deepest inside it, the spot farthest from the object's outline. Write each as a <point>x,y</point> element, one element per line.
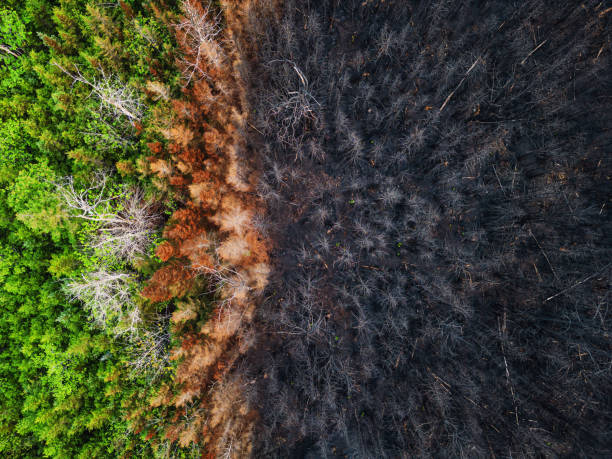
<point>81,84</point>
<point>305,229</point>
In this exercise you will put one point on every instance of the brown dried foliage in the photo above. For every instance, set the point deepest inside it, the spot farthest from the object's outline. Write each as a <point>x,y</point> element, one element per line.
<point>170,281</point>
<point>208,164</point>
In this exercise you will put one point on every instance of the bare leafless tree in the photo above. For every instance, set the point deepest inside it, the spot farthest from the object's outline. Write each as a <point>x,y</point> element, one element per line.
<point>107,295</point>
<point>200,27</point>
<point>294,107</point>
<point>117,98</point>
<point>12,52</point>
<point>105,135</point>
<point>230,284</point>
<point>127,223</point>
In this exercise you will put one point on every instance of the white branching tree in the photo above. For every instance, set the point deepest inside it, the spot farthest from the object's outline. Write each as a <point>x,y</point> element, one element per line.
<point>127,223</point>
<point>200,28</point>
<point>231,285</point>
<point>294,107</point>
<point>107,295</point>
<point>12,52</point>
<point>117,99</point>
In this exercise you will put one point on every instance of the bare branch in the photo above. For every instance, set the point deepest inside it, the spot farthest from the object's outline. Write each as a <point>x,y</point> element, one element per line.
<point>126,225</point>
<point>577,284</point>
<point>460,83</point>
<point>114,95</point>
<point>149,349</point>
<point>108,297</point>
<point>8,50</point>
<point>200,28</point>
<point>294,107</point>
<point>533,51</point>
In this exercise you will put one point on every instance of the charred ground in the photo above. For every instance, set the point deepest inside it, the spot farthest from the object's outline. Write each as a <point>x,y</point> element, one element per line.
<point>437,180</point>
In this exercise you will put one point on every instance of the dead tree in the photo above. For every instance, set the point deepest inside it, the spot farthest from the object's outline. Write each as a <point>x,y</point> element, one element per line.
<point>116,97</point>
<point>107,296</point>
<point>294,108</point>
<point>149,349</point>
<point>12,52</point>
<point>126,223</point>
<point>199,29</point>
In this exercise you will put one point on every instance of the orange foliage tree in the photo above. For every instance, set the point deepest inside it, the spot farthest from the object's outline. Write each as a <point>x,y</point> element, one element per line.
<point>211,171</point>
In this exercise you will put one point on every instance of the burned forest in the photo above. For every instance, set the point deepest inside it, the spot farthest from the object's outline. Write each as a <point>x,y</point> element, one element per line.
<point>305,229</point>
<point>437,183</point>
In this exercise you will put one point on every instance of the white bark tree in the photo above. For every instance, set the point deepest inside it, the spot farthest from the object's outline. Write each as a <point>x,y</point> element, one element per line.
<point>200,27</point>
<point>126,223</point>
<point>292,108</point>
<point>107,296</point>
<point>12,52</point>
<point>116,97</point>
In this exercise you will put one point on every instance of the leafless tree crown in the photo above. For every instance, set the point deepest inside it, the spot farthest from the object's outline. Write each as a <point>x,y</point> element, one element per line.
<point>201,27</point>
<point>127,223</point>
<point>117,98</point>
